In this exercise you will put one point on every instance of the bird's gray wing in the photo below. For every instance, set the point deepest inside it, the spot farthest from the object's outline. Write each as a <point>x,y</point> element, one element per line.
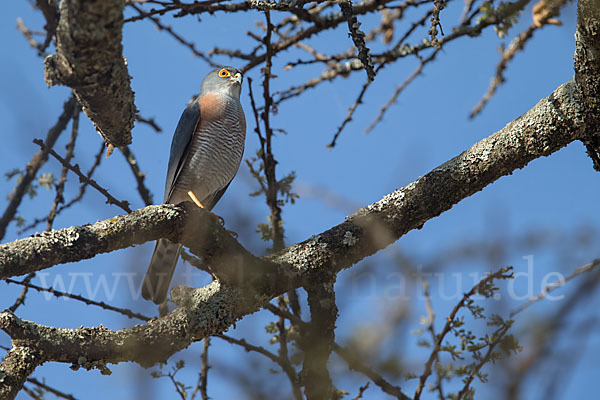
<point>180,146</point>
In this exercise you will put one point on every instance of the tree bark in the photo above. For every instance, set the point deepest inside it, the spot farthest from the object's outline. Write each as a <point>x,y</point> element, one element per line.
<point>587,72</point>
<point>89,59</point>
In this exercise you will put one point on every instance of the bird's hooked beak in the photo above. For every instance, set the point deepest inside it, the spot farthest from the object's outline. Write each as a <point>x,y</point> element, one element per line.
<point>237,78</point>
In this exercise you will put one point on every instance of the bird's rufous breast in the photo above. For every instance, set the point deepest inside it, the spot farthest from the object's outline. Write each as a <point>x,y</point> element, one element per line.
<point>211,107</point>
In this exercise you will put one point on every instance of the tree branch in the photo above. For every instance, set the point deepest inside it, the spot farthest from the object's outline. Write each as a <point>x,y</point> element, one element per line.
<point>124,204</point>
<point>36,163</point>
<point>317,340</point>
<point>18,364</point>
<point>89,59</point>
<point>358,37</point>
<point>138,175</point>
<point>587,72</point>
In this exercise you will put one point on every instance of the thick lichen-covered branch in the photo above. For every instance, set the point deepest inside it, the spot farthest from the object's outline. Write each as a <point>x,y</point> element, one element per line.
<point>587,72</point>
<point>89,59</point>
<point>18,363</point>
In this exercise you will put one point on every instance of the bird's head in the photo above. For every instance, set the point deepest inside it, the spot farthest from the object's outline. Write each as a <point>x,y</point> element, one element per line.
<point>226,80</point>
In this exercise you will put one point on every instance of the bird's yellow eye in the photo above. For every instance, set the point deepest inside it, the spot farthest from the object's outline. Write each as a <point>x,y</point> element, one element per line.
<point>224,73</point>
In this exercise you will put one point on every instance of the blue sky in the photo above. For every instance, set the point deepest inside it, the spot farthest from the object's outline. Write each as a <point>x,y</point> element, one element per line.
<point>427,126</point>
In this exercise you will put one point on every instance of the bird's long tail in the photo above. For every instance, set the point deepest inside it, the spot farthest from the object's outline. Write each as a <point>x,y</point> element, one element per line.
<point>160,271</point>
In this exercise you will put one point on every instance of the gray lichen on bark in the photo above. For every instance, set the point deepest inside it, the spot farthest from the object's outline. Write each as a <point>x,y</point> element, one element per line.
<point>587,73</point>
<point>89,59</point>
<point>19,362</point>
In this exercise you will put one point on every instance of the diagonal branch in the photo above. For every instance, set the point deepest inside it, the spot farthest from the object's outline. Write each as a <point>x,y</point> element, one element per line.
<point>356,364</point>
<point>358,37</point>
<point>285,365</point>
<point>50,389</point>
<point>36,163</point>
<point>138,175</point>
<point>507,55</point>
<point>57,293</point>
<point>82,189</point>
<point>124,204</point>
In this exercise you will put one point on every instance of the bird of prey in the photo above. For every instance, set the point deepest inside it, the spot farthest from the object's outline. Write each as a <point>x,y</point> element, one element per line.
<point>206,153</point>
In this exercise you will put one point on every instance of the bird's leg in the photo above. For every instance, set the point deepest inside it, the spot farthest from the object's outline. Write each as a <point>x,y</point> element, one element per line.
<point>195,199</point>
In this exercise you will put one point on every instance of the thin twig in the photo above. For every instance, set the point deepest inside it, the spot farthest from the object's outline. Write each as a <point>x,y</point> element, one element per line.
<point>431,329</point>
<point>271,192</point>
<point>317,338</point>
<point>175,35</point>
<point>50,11</point>
<point>85,300</point>
<point>399,50</point>
<point>358,37</point>
<point>202,385</point>
<point>503,273</point>
<point>267,153</point>
<point>399,90</point>
<point>97,160</point>
<point>149,121</point>
<point>29,37</point>
<point>552,286</point>
<point>50,389</point>
<point>138,175</point>
<point>355,364</point>
<point>351,111</point>
<point>249,347</point>
<point>290,371</point>
<point>57,200</point>
<point>198,7</point>
<point>31,394</point>
<point>518,44</point>
<point>60,187</point>
<point>466,10</point>
<point>123,204</point>
<point>435,23</point>
<point>498,335</point>
<point>283,350</point>
<point>361,391</point>
<point>553,325</point>
<point>36,163</point>
<point>21,299</point>
<point>205,367</point>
